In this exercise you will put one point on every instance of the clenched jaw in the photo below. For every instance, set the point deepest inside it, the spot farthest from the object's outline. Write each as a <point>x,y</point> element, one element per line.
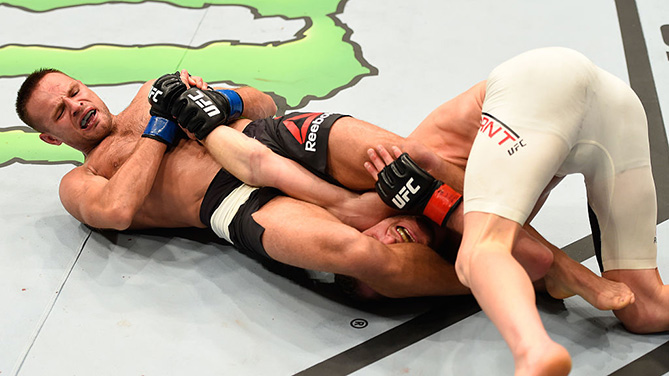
<point>405,234</point>
<point>87,119</point>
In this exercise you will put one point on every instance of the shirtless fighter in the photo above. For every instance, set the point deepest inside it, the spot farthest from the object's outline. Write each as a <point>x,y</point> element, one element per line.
<point>540,116</point>
<point>313,140</point>
<point>127,180</point>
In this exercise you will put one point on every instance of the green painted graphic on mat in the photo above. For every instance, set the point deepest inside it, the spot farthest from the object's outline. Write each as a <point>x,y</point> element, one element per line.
<point>317,63</point>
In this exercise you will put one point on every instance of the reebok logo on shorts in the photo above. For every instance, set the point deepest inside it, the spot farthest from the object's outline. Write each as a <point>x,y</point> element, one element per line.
<point>305,128</point>
<point>501,133</point>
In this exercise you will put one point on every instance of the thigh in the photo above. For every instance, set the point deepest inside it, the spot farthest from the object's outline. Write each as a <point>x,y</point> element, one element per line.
<point>509,183</point>
<point>531,115</point>
<point>304,235</point>
<point>347,150</point>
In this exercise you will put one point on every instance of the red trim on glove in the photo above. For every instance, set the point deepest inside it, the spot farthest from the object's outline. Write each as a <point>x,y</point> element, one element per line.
<point>443,201</point>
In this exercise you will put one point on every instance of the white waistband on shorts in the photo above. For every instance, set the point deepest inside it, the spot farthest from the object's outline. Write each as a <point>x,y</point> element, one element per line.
<point>223,215</point>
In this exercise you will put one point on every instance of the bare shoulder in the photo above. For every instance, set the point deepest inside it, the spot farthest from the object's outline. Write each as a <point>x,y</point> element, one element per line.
<point>143,92</point>
<point>75,185</point>
<point>77,178</point>
<point>137,112</point>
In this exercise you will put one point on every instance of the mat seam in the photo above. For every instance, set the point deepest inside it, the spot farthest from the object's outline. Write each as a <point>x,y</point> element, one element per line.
<point>50,306</point>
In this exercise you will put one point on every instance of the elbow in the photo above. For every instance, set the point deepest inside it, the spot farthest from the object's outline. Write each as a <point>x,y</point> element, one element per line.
<point>268,107</point>
<point>121,224</point>
<point>257,105</point>
<point>116,218</point>
<point>271,108</point>
<point>260,162</point>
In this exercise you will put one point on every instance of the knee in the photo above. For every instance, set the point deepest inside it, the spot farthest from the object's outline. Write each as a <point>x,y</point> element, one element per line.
<point>463,266</point>
<point>638,320</point>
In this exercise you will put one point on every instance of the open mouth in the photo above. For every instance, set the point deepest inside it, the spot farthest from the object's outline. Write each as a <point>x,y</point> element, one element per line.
<point>87,119</point>
<point>405,235</point>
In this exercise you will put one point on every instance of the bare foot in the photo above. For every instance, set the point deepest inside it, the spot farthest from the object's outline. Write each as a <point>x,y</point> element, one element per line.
<point>650,312</point>
<point>548,360</point>
<point>567,278</point>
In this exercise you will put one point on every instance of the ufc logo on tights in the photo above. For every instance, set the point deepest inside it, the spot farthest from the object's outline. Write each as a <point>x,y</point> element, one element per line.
<point>402,197</point>
<point>204,104</point>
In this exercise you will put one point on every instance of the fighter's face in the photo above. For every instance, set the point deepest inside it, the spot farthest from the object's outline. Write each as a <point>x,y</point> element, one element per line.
<point>402,229</point>
<point>69,111</point>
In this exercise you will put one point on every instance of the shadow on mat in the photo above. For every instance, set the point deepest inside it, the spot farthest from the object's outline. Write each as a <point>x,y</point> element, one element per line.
<point>341,290</point>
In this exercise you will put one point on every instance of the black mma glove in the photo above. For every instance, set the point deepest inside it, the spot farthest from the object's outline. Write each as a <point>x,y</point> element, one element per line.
<point>405,186</point>
<point>200,111</point>
<point>164,92</point>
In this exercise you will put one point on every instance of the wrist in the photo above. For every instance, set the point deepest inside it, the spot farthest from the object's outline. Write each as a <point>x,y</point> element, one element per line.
<point>442,204</point>
<point>161,129</point>
<point>236,103</point>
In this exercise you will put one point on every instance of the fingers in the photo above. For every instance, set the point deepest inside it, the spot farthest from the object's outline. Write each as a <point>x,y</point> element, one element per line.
<point>377,159</point>
<point>372,170</point>
<point>385,155</point>
<point>183,74</point>
<point>198,82</point>
<point>191,81</point>
<point>396,151</point>
<point>376,164</point>
<point>380,158</point>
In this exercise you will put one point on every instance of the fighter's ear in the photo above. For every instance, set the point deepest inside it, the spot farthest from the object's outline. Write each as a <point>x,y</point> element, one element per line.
<point>49,139</point>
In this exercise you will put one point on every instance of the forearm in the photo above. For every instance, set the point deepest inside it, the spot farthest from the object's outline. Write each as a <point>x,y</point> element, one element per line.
<point>255,164</point>
<point>296,181</point>
<point>257,105</point>
<point>124,194</point>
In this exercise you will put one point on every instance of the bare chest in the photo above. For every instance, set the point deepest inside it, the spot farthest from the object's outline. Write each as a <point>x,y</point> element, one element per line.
<point>180,183</point>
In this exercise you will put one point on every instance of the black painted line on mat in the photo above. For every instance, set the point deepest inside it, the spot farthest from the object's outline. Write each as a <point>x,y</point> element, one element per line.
<point>641,78</point>
<point>655,363</point>
<point>446,313</point>
<point>643,83</point>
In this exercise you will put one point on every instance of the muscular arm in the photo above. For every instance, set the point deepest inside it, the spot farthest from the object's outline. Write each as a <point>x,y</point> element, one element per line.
<point>113,203</point>
<point>257,105</point>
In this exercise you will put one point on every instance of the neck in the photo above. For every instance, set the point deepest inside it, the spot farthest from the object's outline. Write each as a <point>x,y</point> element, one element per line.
<point>113,133</point>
